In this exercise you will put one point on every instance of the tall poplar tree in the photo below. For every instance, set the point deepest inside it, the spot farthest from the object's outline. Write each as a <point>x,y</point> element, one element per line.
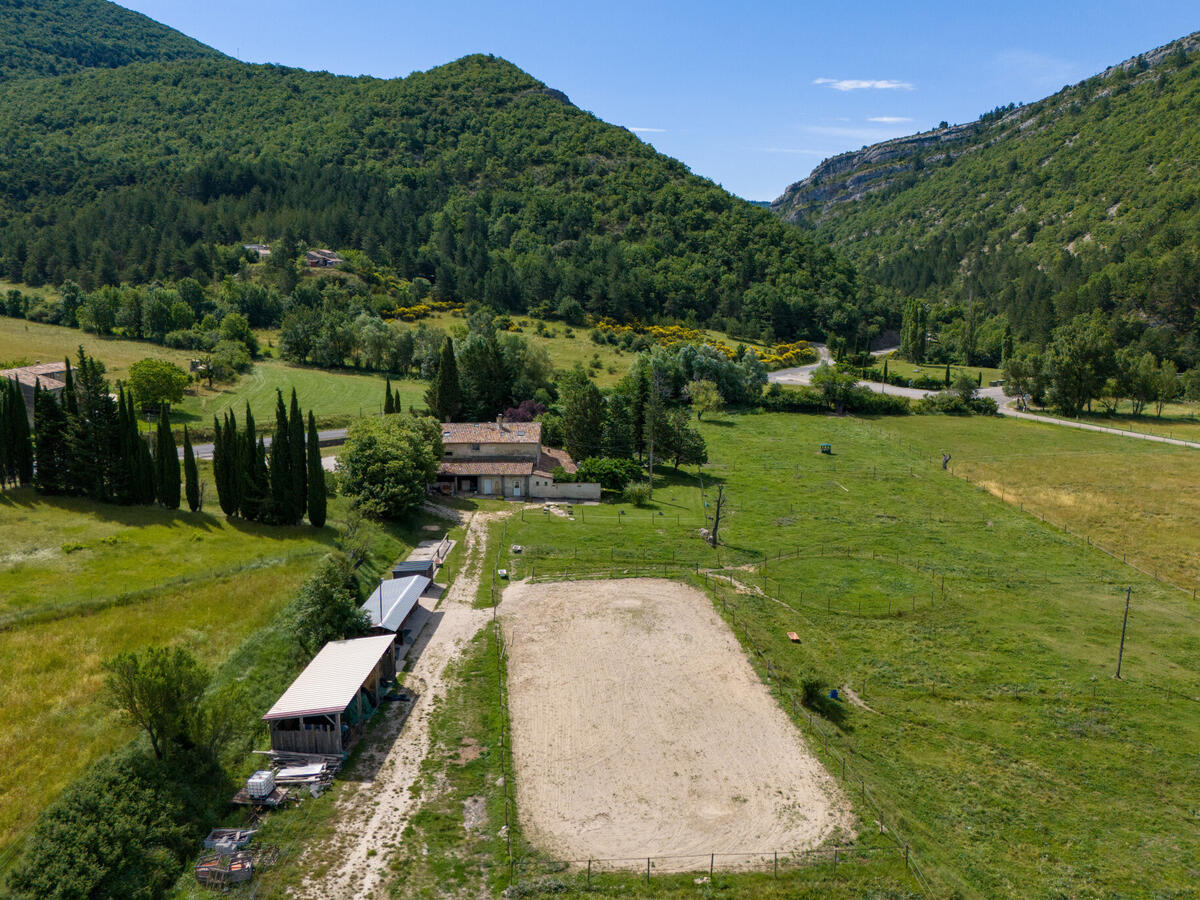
<point>316,477</point>
<point>191,476</point>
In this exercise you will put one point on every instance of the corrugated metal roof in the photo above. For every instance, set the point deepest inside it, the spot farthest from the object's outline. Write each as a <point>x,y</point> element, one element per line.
<point>332,679</point>
<point>393,600</point>
<point>414,566</point>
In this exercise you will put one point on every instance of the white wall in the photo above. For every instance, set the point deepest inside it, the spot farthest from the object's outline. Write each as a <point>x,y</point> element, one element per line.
<point>583,490</point>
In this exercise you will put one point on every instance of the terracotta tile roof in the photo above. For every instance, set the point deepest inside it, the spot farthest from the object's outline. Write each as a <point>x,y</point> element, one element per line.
<point>491,433</point>
<point>487,467</point>
<point>551,458</point>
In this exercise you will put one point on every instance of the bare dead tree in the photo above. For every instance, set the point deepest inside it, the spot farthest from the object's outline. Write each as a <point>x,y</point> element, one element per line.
<point>718,505</point>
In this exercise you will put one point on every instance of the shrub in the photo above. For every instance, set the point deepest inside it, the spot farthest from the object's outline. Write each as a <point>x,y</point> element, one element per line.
<point>638,492</point>
<point>612,474</point>
<point>123,829</point>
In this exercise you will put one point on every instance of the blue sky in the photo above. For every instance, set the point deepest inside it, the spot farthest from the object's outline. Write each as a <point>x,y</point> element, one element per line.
<point>751,95</point>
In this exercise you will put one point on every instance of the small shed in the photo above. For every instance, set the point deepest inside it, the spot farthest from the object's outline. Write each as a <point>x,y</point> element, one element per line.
<point>327,704</point>
<point>425,567</point>
<point>390,608</point>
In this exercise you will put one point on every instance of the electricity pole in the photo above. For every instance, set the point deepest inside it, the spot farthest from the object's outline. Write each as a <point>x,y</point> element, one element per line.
<point>1124,623</point>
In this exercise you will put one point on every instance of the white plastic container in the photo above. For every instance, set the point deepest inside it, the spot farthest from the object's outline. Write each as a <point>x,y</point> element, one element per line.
<point>260,784</point>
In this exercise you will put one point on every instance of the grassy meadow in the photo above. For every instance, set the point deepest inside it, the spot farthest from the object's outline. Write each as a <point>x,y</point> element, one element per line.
<point>1178,420</point>
<point>80,582</point>
<point>903,367</point>
<point>992,733</point>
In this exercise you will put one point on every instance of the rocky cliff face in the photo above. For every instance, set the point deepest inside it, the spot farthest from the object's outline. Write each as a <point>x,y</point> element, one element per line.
<point>848,177</point>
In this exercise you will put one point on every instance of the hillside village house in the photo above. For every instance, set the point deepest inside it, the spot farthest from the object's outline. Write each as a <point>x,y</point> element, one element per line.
<point>320,259</point>
<point>49,375</point>
<point>506,459</point>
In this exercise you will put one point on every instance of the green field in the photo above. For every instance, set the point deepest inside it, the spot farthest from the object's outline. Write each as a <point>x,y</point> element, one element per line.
<point>1136,498</point>
<point>997,742</point>
<point>336,398</point>
<point>33,341</point>
<point>1178,420</point>
<point>81,582</point>
<point>904,368</point>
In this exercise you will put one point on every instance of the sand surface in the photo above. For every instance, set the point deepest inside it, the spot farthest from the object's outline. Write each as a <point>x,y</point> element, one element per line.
<point>640,729</point>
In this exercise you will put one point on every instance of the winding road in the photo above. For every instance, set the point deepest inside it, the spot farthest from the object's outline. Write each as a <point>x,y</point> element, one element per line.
<point>803,375</point>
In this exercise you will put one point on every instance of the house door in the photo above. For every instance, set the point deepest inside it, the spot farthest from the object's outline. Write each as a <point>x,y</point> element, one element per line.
<point>487,486</point>
<point>516,489</point>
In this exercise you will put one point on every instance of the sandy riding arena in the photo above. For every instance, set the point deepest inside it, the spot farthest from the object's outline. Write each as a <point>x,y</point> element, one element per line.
<point>640,729</point>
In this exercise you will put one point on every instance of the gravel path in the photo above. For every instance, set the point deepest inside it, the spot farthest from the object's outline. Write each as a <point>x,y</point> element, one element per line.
<point>377,799</point>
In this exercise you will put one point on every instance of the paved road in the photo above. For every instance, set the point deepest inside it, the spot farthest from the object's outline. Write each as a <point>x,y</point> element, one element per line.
<point>330,438</point>
<point>803,375</point>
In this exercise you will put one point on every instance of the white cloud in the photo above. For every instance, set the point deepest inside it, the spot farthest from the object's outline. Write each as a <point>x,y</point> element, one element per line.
<point>861,84</point>
<point>648,130</point>
<point>889,120</point>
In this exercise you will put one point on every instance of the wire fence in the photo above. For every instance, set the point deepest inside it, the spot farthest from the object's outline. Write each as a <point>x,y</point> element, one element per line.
<point>539,874</point>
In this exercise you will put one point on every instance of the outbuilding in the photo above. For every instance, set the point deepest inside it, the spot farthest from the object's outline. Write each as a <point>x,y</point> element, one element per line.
<point>326,706</point>
<point>394,609</point>
<point>426,568</point>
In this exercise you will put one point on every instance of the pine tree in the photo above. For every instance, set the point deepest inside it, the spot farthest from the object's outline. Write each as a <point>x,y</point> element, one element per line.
<point>444,396</point>
<point>279,510</point>
<point>191,476</point>
<point>389,405</point>
<point>299,463</point>
<point>316,477</point>
<point>50,425</point>
<point>167,461</point>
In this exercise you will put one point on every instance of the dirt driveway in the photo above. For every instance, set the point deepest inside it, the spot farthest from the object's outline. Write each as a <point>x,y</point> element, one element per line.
<point>376,801</point>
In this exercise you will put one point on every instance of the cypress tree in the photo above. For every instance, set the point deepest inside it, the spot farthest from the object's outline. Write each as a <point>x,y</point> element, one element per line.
<point>396,404</point>
<point>147,487</point>
<point>389,405</point>
<point>125,466</point>
<point>69,404</point>
<point>250,498</point>
<point>167,461</point>
<point>299,465</point>
<point>5,450</point>
<point>316,477</point>
<point>225,464</point>
<point>50,425</point>
<point>279,509</point>
<point>262,479</point>
<point>444,396</point>
<point>191,477</point>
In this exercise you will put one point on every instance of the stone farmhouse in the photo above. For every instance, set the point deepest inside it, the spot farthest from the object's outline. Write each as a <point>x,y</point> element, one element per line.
<point>506,459</point>
<point>49,375</point>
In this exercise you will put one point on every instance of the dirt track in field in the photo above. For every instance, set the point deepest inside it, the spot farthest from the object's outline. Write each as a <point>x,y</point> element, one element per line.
<point>640,729</point>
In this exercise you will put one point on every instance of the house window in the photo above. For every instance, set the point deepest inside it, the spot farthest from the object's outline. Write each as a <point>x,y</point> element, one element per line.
<point>474,446</point>
<point>449,452</point>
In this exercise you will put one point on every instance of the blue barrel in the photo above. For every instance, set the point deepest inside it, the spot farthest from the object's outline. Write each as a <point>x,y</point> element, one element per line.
<point>833,693</point>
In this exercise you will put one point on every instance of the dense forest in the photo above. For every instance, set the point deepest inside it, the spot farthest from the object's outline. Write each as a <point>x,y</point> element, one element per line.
<point>473,176</point>
<point>1034,215</point>
<point>55,37</point>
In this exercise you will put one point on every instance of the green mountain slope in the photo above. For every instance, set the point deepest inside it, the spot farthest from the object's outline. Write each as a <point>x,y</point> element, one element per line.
<point>54,37</point>
<point>1087,199</point>
<point>473,175</point>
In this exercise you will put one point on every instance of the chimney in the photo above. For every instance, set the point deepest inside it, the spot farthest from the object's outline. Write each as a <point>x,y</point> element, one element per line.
<point>500,421</point>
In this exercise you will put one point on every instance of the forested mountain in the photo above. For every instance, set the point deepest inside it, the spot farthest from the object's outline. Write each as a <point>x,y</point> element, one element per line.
<point>473,175</point>
<point>54,37</point>
<point>1089,199</point>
